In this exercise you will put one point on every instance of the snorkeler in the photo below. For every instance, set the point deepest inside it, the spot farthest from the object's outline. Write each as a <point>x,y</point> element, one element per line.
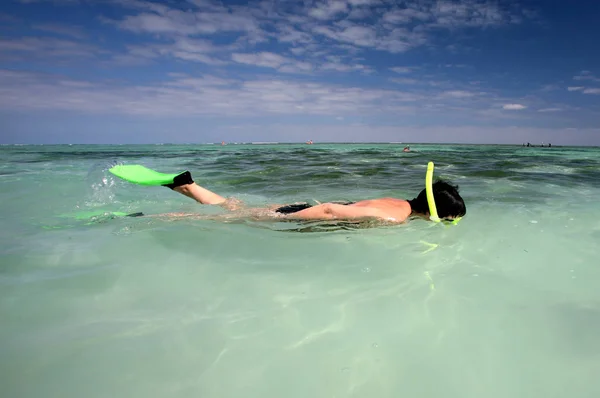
<point>450,205</point>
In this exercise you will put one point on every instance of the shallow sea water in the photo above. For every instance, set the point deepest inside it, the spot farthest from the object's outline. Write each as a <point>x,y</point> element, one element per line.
<point>506,305</point>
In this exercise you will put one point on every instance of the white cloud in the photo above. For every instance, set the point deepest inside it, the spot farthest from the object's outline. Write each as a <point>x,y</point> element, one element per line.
<point>404,16</point>
<point>586,75</point>
<point>575,88</point>
<point>289,34</point>
<point>193,50</point>
<point>447,14</point>
<point>345,25</point>
<point>173,21</point>
<point>328,10</point>
<point>357,3</point>
<point>208,5</point>
<point>459,94</point>
<point>63,2</point>
<point>404,80</point>
<point>513,107</point>
<point>344,67</point>
<point>396,40</point>
<point>549,87</point>
<point>44,48</point>
<point>591,91</point>
<point>264,59</point>
<point>358,13</point>
<point>451,14</point>
<point>62,30</point>
<point>271,60</point>
<point>401,69</point>
<point>356,35</point>
<point>208,95</point>
<point>151,23</point>
<point>184,95</point>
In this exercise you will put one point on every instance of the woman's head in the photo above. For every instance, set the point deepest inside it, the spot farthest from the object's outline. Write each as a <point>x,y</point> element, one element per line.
<point>448,202</point>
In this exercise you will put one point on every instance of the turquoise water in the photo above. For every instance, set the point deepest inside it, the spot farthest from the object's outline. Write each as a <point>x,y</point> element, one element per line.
<point>507,304</point>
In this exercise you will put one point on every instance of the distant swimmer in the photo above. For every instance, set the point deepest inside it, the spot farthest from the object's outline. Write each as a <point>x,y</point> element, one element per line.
<point>439,201</point>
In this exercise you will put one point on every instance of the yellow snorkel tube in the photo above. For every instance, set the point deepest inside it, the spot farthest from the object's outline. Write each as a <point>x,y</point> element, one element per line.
<point>433,215</point>
<point>429,189</point>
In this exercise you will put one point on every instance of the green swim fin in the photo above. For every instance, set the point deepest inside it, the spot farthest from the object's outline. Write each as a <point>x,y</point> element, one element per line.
<point>142,175</point>
<point>84,215</point>
<point>91,217</point>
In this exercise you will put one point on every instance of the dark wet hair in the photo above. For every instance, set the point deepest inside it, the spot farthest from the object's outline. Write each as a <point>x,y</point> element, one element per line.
<point>447,201</point>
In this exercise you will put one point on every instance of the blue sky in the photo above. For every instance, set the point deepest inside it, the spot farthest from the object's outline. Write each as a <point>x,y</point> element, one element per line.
<point>134,71</point>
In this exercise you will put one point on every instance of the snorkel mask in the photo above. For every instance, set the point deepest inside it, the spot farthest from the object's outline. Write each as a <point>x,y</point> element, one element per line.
<point>433,215</point>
